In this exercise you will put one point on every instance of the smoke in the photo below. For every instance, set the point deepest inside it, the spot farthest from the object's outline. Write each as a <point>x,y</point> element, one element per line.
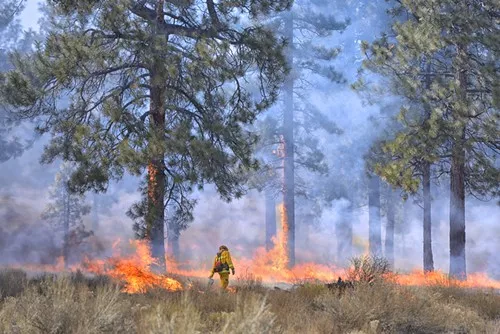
<point>240,224</point>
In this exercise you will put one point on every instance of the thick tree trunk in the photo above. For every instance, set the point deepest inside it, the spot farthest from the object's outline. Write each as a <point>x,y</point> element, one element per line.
<point>374,227</point>
<point>288,136</point>
<point>457,177</point>
<point>389,228</point>
<point>270,219</point>
<point>155,220</point>
<point>426,183</point>
<point>457,214</point>
<point>344,237</point>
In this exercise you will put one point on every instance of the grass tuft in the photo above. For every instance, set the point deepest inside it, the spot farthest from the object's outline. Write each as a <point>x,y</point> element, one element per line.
<point>80,304</point>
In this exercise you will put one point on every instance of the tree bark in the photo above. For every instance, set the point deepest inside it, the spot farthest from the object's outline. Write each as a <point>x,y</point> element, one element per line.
<point>457,176</point>
<point>270,219</point>
<point>389,228</point>
<point>374,227</point>
<point>155,220</point>
<point>426,185</point>
<point>427,228</point>
<point>66,227</point>
<point>288,136</point>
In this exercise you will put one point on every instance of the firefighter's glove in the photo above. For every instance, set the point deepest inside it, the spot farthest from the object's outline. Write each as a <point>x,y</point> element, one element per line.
<point>233,271</point>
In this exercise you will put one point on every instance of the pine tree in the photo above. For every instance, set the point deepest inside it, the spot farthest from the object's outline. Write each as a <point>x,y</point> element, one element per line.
<point>390,202</point>
<point>300,118</point>
<point>374,221</point>
<point>66,211</point>
<point>11,38</point>
<point>179,213</point>
<point>442,61</point>
<point>161,87</point>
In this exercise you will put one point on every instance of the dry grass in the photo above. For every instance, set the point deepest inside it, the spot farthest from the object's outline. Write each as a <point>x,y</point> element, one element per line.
<point>367,268</point>
<point>77,304</point>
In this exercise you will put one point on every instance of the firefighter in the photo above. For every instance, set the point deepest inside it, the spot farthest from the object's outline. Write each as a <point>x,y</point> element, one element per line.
<point>222,265</point>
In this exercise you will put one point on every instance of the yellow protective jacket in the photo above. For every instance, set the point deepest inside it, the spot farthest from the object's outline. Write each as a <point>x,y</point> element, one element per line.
<point>225,259</point>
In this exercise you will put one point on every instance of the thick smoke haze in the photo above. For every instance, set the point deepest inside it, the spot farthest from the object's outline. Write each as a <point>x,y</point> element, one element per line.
<point>24,184</point>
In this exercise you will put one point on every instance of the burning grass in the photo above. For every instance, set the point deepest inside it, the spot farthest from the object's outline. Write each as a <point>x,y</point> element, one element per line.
<point>133,270</point>
<point>79,304</point>
<point>124,296</point>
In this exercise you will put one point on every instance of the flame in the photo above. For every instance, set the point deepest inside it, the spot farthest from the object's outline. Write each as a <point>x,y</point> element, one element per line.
<point>134,270</point>
<point>282,244</point>
<point>152,175</point>
<point>438,278</point>
<point>269,266</point>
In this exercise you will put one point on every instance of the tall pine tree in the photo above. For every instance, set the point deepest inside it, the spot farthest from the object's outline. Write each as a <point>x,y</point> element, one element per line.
<point>443,61</point>
<point>66,210</point>
<point>305,27</point>
<point>12,39</point>
<point>161,87</point>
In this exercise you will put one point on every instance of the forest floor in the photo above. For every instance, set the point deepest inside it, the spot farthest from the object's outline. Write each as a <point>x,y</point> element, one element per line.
<point>79,304</point>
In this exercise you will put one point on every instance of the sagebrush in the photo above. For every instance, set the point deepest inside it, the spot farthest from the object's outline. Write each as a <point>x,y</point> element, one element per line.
<point>78,304</point>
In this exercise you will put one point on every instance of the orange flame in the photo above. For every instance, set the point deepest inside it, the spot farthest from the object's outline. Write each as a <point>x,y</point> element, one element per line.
<point>134,271</point>
<point>438,278</point>
<point>282,244</point>
<point>268,266</point>
<point>153,172</point>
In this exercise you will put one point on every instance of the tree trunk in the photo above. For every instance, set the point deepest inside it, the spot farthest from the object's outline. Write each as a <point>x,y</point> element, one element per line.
<point>426,185</point>
<point>374,227</point>
<point>344,236</point>
<point>173,246</point>
<point>155,220</point>
<point>288,136</point>
<point>95,213</point>
<point>426,182</point>
<point>66,227</point>
<point>457,214</point>
<point>389,228</point>
<point>405,226</point>
<point>270,219</point>
<point>457,177</point>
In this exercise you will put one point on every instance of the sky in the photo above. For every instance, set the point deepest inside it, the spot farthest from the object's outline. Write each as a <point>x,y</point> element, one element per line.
<point>240,223</point>
<point>30,15</point>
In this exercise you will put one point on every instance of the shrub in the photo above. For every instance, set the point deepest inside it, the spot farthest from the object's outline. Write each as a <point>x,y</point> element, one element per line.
<point>249,281</point>
<point>61,306</point>
<point>12,282</point>
<point>252,315</point>
<point>82,304</point>
<point>367,268</point>
<point>170,317</point>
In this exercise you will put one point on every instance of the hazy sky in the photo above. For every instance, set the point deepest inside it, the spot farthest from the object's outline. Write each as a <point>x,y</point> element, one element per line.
<point>30,15</point>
